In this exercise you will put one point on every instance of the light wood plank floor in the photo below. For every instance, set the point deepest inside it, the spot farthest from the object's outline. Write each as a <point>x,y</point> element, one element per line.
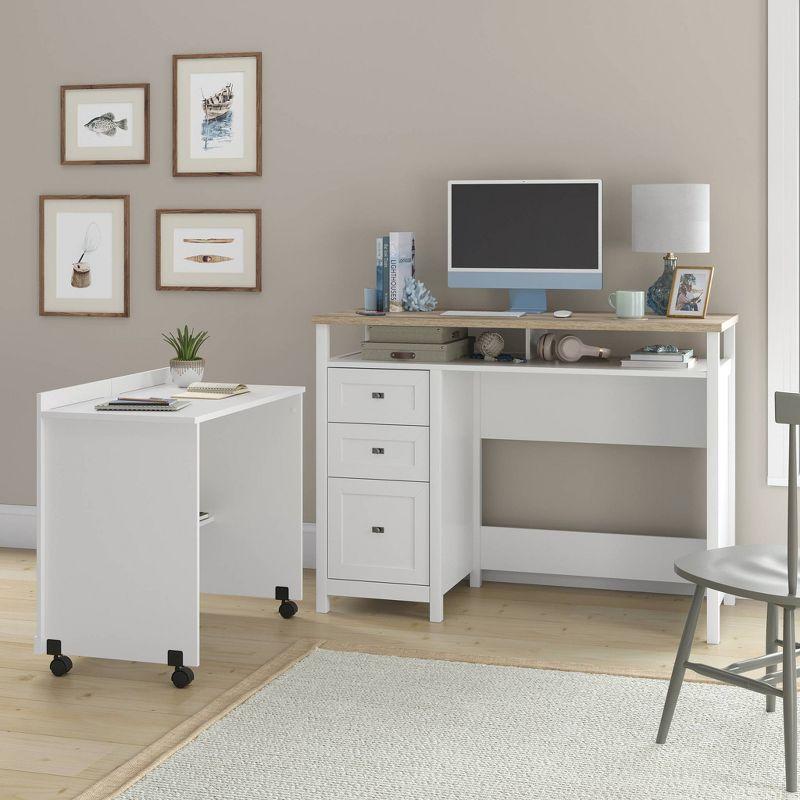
<point>58,736</point>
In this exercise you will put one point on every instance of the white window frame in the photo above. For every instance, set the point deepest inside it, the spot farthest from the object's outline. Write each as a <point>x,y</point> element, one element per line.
<point>783,226</point>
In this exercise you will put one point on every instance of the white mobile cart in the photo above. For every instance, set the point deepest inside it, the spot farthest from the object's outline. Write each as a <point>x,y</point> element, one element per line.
<point>122,554</point>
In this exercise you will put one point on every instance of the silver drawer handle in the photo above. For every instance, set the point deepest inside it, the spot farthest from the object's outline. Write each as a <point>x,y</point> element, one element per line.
<point>377,528</point>
<point>377,451</point>
<point>377,395</point>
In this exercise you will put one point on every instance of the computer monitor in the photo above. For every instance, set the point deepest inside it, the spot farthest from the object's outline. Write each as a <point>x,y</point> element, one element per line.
<point>525,236</point>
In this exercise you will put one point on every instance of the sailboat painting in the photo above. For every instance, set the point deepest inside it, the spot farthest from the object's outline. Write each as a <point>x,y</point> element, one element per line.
<point>217,114</point>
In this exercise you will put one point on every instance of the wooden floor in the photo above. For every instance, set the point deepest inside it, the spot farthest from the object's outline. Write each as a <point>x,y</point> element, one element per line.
<point>58,736</point>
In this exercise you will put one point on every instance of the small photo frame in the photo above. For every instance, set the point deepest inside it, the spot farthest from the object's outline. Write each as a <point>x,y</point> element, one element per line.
<point>84,255</point>
<point>690,293</point>
<point>105,124</point>
<point>216,114</point>
<point>208,250</point>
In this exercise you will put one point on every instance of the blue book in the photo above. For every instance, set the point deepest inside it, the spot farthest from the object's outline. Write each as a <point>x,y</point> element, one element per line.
<point>385,292</point>
<point>379,271</point>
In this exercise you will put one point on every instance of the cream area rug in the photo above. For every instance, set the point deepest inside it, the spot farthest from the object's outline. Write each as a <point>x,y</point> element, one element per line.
<point>348,726</point>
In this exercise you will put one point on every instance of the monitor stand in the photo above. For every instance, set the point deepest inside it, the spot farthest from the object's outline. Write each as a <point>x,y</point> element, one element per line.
<point>531,301</point>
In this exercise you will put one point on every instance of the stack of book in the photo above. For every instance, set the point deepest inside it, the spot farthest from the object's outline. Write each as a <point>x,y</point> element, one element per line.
<point>394,264</point>
<point>142,404</point>
<point>651,359</point>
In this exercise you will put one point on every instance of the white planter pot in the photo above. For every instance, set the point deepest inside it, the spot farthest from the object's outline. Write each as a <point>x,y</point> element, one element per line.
<point>182,373</point>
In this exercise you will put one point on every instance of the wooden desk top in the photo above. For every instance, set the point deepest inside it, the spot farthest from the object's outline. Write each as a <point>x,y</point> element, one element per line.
<point>579,321</point>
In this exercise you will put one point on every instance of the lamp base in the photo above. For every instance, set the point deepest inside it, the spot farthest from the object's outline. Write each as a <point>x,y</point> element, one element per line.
<point>658,293</point>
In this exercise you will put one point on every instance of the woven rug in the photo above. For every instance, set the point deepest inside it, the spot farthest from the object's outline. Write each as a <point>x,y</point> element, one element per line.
<point>352,725</point>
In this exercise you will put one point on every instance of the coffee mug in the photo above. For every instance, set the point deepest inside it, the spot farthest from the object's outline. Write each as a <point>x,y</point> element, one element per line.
<point>628,305</point>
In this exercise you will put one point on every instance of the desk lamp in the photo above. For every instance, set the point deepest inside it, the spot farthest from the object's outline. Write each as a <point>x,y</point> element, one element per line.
<point>669,218</point>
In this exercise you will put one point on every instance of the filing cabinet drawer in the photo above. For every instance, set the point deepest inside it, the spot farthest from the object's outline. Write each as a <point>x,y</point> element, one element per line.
<point>390,452</point>
<point>378,531</point>
<point>382,396</point>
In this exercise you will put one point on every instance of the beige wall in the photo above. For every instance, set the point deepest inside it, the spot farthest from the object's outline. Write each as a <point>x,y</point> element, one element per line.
<point>369,107</point>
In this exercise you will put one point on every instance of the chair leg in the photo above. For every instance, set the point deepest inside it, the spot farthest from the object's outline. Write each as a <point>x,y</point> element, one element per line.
<point>772,646</point>
<point>789,699</point>
<point>679,669</point>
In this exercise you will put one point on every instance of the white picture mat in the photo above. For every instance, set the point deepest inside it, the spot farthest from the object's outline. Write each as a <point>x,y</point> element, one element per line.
<point>121,138</point>
<point>185,68</point>
<point>82,304</point>
<point>206,224</point>
<point>71,231</point>
<point>233,250</point>
<point>203,85</point>
<point>73,151</point>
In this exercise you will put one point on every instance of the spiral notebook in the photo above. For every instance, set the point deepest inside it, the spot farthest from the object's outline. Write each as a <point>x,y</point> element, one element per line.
<point>211,391</point>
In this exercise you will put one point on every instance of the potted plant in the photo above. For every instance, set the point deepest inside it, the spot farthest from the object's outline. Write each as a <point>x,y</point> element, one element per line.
<point>186,367</point>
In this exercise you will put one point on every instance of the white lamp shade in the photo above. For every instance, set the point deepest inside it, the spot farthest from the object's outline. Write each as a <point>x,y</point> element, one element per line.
<point>671,217</point>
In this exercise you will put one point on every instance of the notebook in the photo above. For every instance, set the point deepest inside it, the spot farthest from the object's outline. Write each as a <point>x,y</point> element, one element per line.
<point>211,391</point>
<point>116,405</point>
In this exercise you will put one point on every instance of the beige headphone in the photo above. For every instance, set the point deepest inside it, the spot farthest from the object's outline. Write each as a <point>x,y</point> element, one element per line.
<point>569,348</point>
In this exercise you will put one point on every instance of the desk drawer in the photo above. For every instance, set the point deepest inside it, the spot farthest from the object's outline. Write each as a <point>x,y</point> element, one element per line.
<point>378,531</point>
<point>382,396</point>
<point>390,452</point>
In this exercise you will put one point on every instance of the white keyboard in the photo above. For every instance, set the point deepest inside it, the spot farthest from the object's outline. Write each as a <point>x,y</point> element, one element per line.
<point>516,314</point>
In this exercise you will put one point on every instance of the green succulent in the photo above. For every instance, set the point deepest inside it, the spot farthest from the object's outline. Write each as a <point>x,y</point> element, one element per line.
<point>186,343</point>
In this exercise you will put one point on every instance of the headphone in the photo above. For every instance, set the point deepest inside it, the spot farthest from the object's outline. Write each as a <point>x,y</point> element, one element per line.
<point>568,348</point>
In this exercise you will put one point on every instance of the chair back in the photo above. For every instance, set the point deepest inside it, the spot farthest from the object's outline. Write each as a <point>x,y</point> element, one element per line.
<point>787,411</point>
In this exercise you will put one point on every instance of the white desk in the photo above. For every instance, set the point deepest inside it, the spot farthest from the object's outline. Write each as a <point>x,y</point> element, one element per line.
<point>399,457</point>
<point>122,556</point>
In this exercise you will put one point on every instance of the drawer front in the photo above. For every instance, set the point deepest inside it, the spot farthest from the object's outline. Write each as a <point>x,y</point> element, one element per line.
<point>378,531</point>
<point>381,396</point>
<point>388,452</point>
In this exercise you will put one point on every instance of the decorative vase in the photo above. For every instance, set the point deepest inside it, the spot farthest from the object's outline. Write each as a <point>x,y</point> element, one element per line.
<point>182,373</point>
<point>658,293</point>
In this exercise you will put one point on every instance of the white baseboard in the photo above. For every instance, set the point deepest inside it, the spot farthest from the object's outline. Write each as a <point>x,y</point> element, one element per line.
<point>18,526</point>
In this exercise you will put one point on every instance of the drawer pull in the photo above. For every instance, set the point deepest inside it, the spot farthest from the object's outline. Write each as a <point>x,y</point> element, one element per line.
<point>403,355</point>
<point>377,528</point>
<point>377,451</point>
<point>377,395</point>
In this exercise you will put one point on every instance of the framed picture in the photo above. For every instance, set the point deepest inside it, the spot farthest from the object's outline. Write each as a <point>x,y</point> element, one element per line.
<point>216,114</point>
<point>691,289</point>
<point>84,255</point>
<point>105,124</point>
<point>208,249</point>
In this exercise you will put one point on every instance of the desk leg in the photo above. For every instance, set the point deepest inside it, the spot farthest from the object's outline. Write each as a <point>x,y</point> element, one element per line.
<point>729,351</point>
<point>715,464</point>
<point>477,499</point>
<point>323,356</point>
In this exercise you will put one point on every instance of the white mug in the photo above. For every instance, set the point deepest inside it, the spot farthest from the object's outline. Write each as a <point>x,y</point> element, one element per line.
<point>627,304</point>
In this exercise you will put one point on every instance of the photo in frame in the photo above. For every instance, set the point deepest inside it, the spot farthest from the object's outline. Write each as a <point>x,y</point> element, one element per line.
<point>691,292</point>
<point>84,254</point>
<point>105,124</point>
<point>216,114</point>
<point>208,249</point>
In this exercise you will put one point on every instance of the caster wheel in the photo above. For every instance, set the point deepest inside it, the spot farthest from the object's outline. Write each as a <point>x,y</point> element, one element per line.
<point>287,608</point>
<point>182,677</point>
<point>60,665</point>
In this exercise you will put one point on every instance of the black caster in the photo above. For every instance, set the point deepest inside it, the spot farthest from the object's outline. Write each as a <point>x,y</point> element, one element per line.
<point>287,609</point>
<point>60,665</point>
<point>182,677</point>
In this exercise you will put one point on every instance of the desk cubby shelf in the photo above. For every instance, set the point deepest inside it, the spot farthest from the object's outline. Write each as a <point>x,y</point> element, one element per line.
<point>399,492</point>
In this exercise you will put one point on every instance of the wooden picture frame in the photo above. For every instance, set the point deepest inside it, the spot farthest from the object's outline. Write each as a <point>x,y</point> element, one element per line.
<point>134,95</point>
<point>185,131</point>
<point>54,297</point>
<point>697,293</point>
<point>241,246</point>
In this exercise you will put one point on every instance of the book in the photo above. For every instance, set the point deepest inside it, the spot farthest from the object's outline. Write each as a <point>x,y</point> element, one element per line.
<point>401,266</point>
<point>638,364</point>
<point>384,290</point>
<point>681,355</point>
<point>118,406</point>
<point>200,390</point>
<point>379,271</point>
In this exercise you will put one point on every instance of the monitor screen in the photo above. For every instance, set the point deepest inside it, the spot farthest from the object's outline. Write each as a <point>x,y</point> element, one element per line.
<point>525,226</point>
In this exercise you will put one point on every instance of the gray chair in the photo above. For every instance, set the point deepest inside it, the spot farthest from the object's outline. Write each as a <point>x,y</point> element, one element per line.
<point>761,572</point>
